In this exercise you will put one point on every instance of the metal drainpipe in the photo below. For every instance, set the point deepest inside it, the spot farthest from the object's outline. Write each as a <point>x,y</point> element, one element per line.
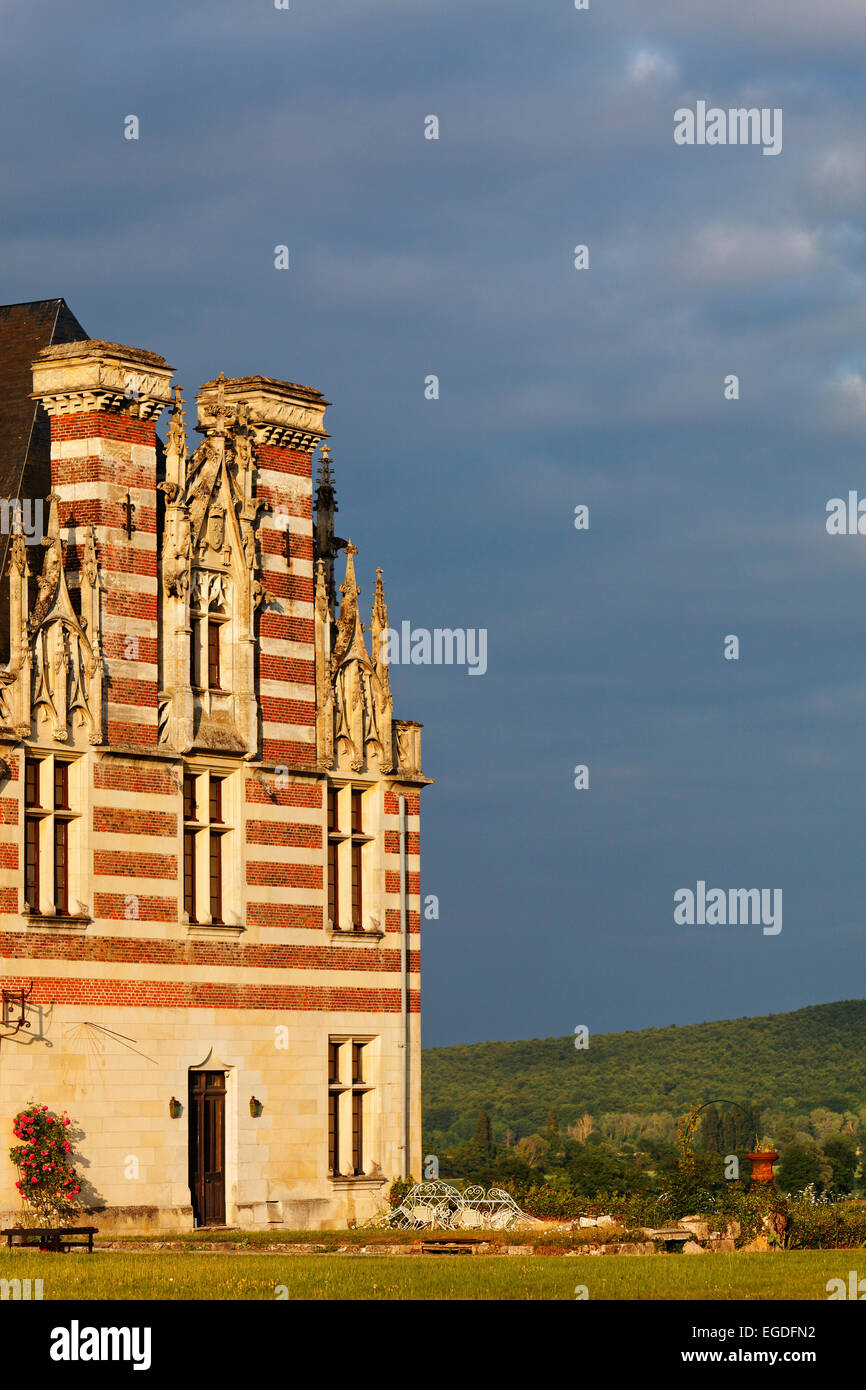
<point>404,993</point>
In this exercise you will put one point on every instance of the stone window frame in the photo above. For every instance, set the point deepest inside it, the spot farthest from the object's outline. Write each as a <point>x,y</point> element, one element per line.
<point>48,817</point>
<point>349,1098</point>
<point>230,831</point>
<point>372,842</point>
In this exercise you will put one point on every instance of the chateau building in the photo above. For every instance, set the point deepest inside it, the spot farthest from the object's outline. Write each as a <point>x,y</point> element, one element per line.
<point>209,817</point>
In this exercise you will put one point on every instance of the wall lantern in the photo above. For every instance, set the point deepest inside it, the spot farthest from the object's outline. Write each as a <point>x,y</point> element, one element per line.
<point>256,1107</point>
<point>175,1109</point>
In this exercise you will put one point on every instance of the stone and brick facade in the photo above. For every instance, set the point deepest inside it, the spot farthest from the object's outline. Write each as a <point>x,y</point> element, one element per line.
<point>209,818</point>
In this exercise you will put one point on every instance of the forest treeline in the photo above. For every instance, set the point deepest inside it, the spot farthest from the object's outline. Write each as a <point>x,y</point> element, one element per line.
<point>799,1071</point>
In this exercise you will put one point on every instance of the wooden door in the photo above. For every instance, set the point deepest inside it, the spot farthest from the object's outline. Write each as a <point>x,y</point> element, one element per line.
<point>207,1147</point>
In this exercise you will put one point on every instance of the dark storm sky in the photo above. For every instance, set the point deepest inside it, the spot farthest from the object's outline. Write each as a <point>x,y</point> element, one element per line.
<point>409,257</point>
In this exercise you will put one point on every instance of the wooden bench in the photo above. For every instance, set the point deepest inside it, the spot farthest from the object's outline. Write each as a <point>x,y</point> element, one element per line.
<point>448,1243</point>
<point>441,1248</point>
<point>52,1238</point>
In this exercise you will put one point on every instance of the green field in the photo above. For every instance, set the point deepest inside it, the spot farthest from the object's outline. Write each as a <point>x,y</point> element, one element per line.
<point>798,1274</point>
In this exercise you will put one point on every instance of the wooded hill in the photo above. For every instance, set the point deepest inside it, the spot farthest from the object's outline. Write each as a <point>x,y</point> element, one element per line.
<point>787,1063</point>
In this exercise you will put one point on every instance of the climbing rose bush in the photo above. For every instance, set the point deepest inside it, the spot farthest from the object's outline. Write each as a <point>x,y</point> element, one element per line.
<point>47,1181</point>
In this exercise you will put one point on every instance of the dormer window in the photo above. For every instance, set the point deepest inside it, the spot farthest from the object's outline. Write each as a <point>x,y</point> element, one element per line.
<point>194,643</point>
<point>213,653</point>
<point>208,628</point>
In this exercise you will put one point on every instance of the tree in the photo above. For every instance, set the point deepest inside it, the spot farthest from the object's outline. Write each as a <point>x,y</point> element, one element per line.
<point>841,1151</point>
<point>582,1128</point>
<point>553,1126</point>
<point>711,1130</point>
<point>484,1133</point>
<point>746,1128</point>
<point>799,1167</point>
<point>533,1149</point>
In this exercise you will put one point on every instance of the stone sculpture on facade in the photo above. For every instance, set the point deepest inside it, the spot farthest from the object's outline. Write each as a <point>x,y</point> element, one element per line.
<point>54,678</point>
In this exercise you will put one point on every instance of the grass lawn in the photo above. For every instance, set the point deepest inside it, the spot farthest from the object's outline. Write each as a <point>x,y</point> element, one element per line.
<point>798,1274</point>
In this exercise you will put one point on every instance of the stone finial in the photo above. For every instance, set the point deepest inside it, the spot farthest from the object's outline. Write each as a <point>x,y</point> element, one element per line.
<point>326,545</point>
<point>380,609</point>
<point>378,629</point>
<point>321,590</point>
<point>89,563</point>
<point>325,478</point>
<point>177,426</point>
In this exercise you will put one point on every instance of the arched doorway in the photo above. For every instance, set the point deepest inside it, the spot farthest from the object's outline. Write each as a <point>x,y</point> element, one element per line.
<point>207,1144</point>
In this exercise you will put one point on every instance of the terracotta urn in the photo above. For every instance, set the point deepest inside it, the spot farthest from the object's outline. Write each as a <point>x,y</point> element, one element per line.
<point>762,1165</point>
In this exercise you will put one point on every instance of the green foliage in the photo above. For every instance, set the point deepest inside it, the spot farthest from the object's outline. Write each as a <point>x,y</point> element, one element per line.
<point>841,1151</point>
<point>484,1133</point>
<point>586,1127</point>
<point>825,1225</point>
<point>800,1167</point>
<point>790,1064</point>
<point>711,1131</point>
<point>398,1190</point>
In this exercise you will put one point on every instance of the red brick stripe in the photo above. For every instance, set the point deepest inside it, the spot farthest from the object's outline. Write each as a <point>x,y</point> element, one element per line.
<point>156,994</point>
<point>287,629</point>
<point>97,511</point>
<point>103,424</point>
<point>137,605</point>
<point>280,500</point>
<point>114,647</point>
<point>119,559</point>
<point>285,875</point>
<point>392,882</point>
<point>286,668</point>
<point>127,822</point>
<point>273,542</point>
<point>291,754</point>
<point>271,832</point>
<point>392,842</point>
<point>143,735</point>
<point>284,461</point>
<point>290,586</point>
<point>112,906</point>
<point>134,865</point>
<point>232,955</point>
<point>283,915</point>
<point>123,691</point>
<point>277,711</point>
<point>134,777</point>
<point>392,920</point>
<point>295,794</point>
<point>94,469</point>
